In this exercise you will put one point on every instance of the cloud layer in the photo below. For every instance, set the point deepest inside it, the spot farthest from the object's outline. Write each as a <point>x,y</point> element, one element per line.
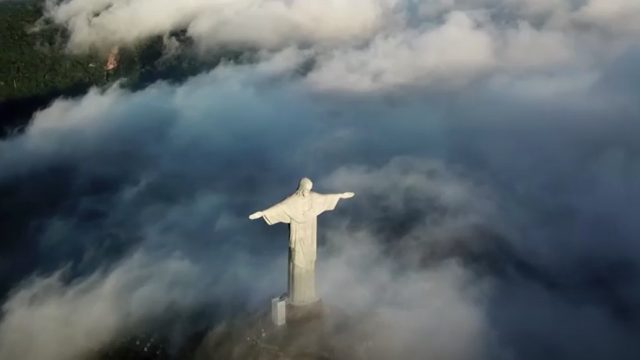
<point>492,146</point>
<point>376,45</point>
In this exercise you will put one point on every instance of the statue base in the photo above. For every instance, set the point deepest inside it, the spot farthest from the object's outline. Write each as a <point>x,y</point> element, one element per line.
<point>307,312</point>
<point>318,331</point>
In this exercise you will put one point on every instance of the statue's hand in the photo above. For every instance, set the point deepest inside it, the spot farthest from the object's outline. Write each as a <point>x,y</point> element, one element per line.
<point>255,215</point>
<point>347,195</point>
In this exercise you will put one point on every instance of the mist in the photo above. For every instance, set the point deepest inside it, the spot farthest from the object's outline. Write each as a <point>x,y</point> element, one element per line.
<point>492,147</point>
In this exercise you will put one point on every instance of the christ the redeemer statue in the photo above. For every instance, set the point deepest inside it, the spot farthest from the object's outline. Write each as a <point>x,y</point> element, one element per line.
<point>300,210</point>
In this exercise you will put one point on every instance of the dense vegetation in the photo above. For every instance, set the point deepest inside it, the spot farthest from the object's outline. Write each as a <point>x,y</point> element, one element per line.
<point>33,60</point>
<point>35,67</point>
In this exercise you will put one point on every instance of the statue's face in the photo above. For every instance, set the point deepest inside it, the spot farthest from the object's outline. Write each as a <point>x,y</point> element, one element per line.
<point>307,188</point>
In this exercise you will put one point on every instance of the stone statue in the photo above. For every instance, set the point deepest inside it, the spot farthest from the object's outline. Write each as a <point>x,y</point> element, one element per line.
<point>300,211</point>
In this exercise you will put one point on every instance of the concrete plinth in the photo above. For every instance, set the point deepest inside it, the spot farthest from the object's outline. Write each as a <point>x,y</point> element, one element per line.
<point>296,313</point>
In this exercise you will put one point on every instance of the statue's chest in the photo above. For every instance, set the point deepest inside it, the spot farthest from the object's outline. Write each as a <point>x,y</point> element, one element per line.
<point>305,210</point>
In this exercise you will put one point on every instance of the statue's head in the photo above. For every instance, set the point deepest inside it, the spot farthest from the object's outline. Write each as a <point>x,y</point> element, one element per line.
<point>305,187</point>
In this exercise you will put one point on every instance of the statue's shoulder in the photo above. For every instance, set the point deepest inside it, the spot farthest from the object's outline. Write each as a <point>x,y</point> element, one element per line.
<point>290,199</point>
<point>318,195</point>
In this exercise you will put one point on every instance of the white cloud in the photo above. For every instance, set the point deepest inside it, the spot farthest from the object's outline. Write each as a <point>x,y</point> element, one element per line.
<point>527,48</point>
<point>437,313</point>
<point>374,45</point>
<point>412,309</point>
<point>45,318</point>
<point>260,23</point>
<point>618,16</point>
<point>453,53</point>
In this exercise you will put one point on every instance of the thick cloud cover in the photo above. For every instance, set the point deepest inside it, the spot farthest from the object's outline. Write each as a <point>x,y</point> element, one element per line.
<point>492,146</point>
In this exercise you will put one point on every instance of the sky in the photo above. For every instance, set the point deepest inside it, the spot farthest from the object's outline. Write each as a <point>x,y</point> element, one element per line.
<point>492,146</point>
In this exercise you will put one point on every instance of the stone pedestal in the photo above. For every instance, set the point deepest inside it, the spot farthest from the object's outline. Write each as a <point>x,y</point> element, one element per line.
<point>296,313</point>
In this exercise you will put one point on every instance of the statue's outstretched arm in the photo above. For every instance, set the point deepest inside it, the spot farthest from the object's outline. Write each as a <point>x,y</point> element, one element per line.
<point>273,215</point>
<point>347,195</point>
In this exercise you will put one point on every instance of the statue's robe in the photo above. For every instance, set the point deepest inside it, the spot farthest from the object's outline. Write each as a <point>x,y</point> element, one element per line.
<point>301,213</point>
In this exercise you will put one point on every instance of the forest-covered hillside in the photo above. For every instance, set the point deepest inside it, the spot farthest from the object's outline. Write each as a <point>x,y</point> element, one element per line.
<point>33,60</point>
<point>36,68</point>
